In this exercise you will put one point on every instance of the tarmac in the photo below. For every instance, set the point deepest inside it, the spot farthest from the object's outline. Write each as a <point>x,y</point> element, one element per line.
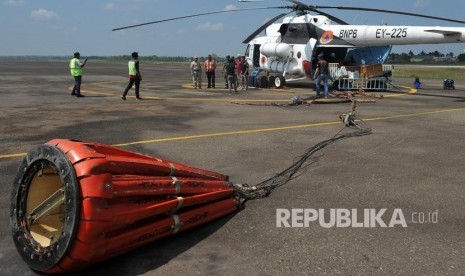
<point>412,162</point>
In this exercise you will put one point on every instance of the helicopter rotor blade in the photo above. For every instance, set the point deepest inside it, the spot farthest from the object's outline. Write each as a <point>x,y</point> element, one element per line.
<point>302,6</point>
<point>316,8</point>
<point>195,15</point>
<point>264,26</point>
<point>296,2</point>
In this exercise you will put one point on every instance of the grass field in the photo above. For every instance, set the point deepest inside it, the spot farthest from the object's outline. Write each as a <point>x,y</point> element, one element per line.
<point>430,72</point>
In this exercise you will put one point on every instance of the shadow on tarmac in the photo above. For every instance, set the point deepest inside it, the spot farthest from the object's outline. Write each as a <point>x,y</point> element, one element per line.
<point>156,254</point>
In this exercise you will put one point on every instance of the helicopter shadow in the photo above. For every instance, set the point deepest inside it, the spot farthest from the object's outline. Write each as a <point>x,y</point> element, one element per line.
<point>156,254</point>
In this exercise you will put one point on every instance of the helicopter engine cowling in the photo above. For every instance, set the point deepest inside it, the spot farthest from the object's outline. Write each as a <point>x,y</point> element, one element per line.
<point>280,50</point>
<point>276,66</point>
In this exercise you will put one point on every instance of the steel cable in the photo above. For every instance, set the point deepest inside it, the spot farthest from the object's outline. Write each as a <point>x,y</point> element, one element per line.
<point>264,188</point>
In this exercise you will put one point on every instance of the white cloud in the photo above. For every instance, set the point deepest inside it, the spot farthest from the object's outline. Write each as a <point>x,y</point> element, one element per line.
<point>43,14</point>
<point>208,26</point>
<point>17,3</point>
<point>421,3</point>
<point>109,7</point>
<point>230,8</point>
<point>180,32</point>
<point>172,35</point>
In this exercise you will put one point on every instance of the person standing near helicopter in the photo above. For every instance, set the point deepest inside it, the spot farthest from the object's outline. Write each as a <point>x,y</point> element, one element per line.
<point>210,67</point>
<point>238,69</point>
<point>231,71</point>
<point>225,70</point>
<point>321,74</point>
<point>196,72</point>
<point>244,74</point>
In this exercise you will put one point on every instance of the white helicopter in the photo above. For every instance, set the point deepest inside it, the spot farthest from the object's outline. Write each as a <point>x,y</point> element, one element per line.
<point>288,49</point>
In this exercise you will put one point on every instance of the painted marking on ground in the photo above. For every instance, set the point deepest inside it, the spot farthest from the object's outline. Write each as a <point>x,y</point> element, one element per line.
<point>402,93</point>
<point>261,130</point>
<point>279,90</point>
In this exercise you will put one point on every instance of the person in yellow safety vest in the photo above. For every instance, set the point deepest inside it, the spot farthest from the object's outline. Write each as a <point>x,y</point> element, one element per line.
<point>75,67</point>
<point>134,76</point>
<point>210,65</point>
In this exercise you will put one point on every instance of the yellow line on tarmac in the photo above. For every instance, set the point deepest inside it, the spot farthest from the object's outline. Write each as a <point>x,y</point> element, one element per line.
<point>182,99</point>
<point>96,93</point>
<point>13,155</point>
<point>279,128</point>
<point>414,114</point>
<point>91,92</point>
<point>102,82</point>
<point>40,84</point>
<point>187,99</point>
<point>287,90</point>
<point>218,100</point>
<point>260,130</point>
<point>188,85</point>
<point>410,91</point>
<point>224,134</point>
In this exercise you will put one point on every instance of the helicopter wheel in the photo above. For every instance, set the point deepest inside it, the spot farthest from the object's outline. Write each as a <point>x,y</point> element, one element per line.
<point>279,81</point>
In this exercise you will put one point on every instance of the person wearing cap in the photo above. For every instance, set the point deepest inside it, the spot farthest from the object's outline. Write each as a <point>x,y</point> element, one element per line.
<point>75,67</point>
<point>134,76</point>
<point>321,74</point>
<point>196,72</point>
<point>225,70</point>
<point>210,66</point>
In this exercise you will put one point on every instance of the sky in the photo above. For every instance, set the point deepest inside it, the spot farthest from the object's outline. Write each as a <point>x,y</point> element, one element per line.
<point>62,27</point>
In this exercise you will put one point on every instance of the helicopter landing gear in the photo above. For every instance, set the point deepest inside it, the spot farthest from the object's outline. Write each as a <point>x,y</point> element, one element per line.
<point>279,81</point>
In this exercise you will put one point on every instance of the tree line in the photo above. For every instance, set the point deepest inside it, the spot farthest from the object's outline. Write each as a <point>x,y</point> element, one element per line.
<point>393,57</point>
<point>407,57</point>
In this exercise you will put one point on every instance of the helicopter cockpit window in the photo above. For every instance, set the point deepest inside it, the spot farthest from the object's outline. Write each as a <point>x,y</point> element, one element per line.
<point>283,29</point>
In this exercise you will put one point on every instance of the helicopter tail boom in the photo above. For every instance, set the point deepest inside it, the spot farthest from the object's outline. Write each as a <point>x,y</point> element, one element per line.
<point>361,36</point>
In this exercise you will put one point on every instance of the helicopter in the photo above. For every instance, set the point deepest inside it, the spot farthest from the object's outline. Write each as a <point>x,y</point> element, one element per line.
<point>288,50</point>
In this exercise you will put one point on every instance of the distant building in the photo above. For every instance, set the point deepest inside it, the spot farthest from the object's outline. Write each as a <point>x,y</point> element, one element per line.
<point>431,58</point>
<point>422,58</point>
<point>445,59</point>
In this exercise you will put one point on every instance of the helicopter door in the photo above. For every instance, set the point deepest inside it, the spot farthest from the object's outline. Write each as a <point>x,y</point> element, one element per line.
<point>256,55</point>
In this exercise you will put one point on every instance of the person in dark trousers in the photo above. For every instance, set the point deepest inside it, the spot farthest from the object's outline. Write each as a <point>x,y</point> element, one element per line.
<point>134,76</point>
<point>238,69</point>
<point>244,74</point>
<point>210,67</point>
<point>322,74</point>
<point>231,71</point>
<point>75,67</point>
<point>225,71</point>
